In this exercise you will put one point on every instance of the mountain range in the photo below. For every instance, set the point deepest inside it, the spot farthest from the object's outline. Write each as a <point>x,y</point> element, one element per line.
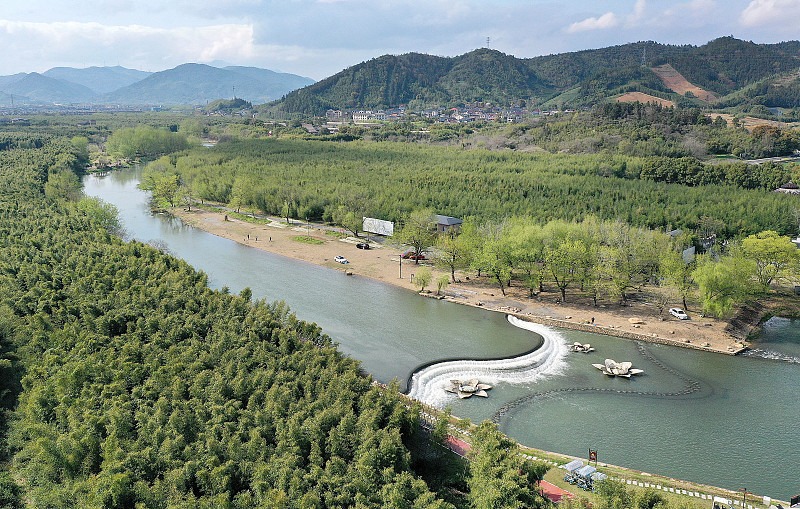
<point>185,84</point>
<point>722,73</point>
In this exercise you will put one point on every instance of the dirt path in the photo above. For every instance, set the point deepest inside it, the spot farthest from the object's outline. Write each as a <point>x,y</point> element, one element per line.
<point>383,263</point>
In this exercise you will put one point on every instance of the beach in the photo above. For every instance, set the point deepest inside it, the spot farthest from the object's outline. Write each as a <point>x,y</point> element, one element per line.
<point>319,245</point>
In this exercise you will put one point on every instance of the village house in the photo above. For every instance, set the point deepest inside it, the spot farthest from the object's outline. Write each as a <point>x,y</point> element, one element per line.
<point>447,223</point>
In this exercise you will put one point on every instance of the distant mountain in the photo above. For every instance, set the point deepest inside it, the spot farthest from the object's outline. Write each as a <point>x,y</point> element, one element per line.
<point>42,89</point>
<point>7,80</point>
<point>721,67</point>
<point>200,83</point>
<point>101,80</point>
<point>278,83</point>
<point>185,84</point>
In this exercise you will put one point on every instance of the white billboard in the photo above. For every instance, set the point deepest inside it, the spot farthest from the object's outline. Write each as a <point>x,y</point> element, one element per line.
<point>378,226</point>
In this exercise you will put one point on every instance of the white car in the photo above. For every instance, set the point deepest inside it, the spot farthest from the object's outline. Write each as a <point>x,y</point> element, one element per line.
<point>678,313</point>
<point>340,259</point>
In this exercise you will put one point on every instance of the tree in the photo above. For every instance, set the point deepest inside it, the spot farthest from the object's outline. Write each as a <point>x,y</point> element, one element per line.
<point>102,213</point>
<point>81,145</point>
<point>772,254</point>
<point>494,256</point>
<point>423,278</point>
<point>565,261</point>
<point>242,193</point>
<point>527,249</point>
<point>499,477</point>
<point>600,279</point>
<point>676,274</point>
<point>613,495</point>
<point>185,194</point>
<point>724,283</point>
<point>418,232</point>
<point>10,493</point>
<point>649,499</point>
<point>348,219</point>
<point>455,249</point>
<point>161,179</point>
<point>441,283</point>
<point>63,185</point>
<point>708,228</point>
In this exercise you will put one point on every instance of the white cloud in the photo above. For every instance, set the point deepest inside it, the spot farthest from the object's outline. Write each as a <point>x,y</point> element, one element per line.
<point>607,20</point>
<point>763,12</point>
<point>638,12</point>
<point>65,41</point>
<point>691,9</point>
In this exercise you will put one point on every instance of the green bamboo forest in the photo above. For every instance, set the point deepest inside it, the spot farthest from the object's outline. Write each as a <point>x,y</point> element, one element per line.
<point>127,382</point>
<point>389,180</point>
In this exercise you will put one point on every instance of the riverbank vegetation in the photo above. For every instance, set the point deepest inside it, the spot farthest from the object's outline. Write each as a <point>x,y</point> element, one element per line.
<point>317,180</point>
<point>592,224</point>
<point>605,261</point>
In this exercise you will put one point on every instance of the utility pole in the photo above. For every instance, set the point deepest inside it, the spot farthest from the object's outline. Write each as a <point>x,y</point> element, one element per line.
<point>744,497</point>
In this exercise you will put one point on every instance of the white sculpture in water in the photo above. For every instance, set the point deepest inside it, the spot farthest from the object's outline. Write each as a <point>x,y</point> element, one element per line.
<point>614,368</point>
<point>468,388</point>
<point>583,348</point>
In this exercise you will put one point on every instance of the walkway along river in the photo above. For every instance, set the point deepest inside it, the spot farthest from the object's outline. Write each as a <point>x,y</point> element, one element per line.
<point>710,418</point>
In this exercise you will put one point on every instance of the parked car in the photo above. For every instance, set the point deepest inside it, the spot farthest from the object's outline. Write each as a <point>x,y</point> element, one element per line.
<point>340,259</point>
<point>362,245</point>
<point>678,313</point>
<point>411,255</point>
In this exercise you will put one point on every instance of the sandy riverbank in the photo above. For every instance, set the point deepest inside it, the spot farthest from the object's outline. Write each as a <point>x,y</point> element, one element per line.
<point>383,263</point>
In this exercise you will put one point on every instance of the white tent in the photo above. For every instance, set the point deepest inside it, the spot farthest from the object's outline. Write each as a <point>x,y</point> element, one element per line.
<point>573,465</point>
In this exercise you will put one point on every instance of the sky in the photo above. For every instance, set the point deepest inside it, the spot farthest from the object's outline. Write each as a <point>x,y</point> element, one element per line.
<point>318,38</point>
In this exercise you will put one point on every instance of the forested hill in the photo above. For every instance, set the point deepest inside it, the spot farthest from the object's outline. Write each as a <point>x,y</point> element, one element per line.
<point>722,66</point>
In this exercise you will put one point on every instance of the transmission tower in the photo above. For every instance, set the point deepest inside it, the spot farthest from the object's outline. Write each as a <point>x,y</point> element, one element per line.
<point>488,42</point>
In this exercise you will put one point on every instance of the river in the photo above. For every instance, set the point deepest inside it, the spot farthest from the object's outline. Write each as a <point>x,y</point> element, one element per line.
<point>709,418</point>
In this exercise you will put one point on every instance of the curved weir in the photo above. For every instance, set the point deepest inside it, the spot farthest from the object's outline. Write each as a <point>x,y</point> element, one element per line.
<point>427,384</point>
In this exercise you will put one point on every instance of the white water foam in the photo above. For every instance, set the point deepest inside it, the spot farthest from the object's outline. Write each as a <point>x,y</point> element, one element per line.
<point>427,384</point>
<point>772,355</point>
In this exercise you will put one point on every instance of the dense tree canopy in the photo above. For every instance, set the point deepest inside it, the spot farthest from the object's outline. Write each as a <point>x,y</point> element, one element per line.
<point>145,141</point>
<point>137,385</point>
<point>393,179</point>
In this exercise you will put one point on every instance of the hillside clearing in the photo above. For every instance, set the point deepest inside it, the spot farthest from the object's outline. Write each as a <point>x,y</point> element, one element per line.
<point>751,123</point>
<point>632,97</point>
<point>675,81</point>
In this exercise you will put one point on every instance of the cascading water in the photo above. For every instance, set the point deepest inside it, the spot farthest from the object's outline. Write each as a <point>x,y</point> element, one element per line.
<point>427,385</point>
<point>772,355</point>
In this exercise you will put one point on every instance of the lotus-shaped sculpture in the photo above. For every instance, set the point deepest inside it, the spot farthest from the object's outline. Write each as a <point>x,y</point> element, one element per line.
<point>467,388</point>
<point>583,348</point>
<point>614,368</point>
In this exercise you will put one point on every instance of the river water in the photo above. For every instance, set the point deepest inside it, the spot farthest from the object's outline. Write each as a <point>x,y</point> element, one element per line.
<point>710,418</point>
